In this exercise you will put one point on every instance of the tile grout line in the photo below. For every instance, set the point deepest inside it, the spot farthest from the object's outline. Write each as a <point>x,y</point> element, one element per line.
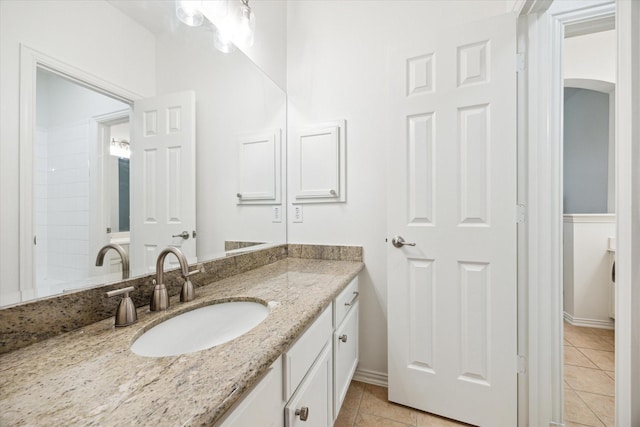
<point>588,406</point>
<point>355,419</point>
<point>597,368</point>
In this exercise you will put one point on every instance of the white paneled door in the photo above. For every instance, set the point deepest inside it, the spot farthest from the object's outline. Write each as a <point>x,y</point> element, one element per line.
<point>452,192</point>
<point>163,189</point>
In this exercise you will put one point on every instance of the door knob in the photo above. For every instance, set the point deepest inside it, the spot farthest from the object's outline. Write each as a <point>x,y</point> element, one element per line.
<point>343,338</point>
<point>303,413</point>
<point>184,235</point>
<point>399,242</point>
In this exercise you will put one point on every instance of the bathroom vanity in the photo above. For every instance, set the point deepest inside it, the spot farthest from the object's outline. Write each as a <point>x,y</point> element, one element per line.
<point>296,364</point>
<point>310,380</point>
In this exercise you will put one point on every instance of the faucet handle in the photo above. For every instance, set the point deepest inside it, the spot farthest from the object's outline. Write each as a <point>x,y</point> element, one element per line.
<point>199,269</point>
<point>126,312</point>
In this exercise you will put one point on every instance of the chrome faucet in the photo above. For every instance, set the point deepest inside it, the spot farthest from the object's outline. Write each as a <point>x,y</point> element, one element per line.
<point>160,296</point>
<point>123,256</point>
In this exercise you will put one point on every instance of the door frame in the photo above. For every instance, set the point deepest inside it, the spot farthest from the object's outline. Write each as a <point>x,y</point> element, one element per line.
<point>98,184</point>
<point>540,38</point>
<point>30,60</point>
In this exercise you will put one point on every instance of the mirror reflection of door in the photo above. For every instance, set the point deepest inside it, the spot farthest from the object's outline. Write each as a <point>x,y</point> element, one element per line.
<point>114,140</point>
<point>70,166</point>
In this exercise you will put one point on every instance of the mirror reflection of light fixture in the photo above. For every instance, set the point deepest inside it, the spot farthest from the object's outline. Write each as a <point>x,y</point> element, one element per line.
<point>246,27</point>
<point>230,29</point>
<point>215,10</point>
<point>222,40</point>
<point>189,12</point>
<point>120,148</point>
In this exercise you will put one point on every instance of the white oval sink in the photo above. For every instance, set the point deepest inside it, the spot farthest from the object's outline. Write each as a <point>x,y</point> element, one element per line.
<point>200,329</point>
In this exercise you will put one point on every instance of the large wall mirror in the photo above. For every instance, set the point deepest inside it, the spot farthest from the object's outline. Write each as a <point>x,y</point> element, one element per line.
<point>123,125</point>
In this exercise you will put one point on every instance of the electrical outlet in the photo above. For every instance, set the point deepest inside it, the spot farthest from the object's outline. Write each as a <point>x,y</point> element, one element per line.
<point>277,214</point>
<point>297,213</point>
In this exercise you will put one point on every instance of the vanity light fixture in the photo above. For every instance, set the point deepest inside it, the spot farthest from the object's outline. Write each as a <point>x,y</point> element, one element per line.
<point>230,29</point>
<point>246,27</point>
<point>120,148</point>
<point>222,40</point>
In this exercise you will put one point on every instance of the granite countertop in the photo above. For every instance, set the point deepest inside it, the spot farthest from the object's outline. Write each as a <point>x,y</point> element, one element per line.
<point>90,377</point>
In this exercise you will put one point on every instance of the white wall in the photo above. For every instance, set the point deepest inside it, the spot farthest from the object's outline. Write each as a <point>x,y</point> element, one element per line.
<point>586,151</point>
<point>269,51</point>
<point>110,45</point>
<point>587,269</point>
<point>337,68</point>
<point>591,56</point>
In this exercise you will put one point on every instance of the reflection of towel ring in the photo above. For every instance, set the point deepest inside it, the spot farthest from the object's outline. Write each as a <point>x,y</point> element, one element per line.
<point>613,272</point>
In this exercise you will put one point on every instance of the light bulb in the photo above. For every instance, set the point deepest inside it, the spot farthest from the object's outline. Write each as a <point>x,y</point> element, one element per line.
<point>189,12</point>
<point>246,26</point>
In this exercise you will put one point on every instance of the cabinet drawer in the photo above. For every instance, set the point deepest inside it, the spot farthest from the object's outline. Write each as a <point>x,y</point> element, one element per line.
<point>301,355</point>
<point>345,349</point>
<point>314,395</point>
<point>344,301</point>
<point>262,406</point>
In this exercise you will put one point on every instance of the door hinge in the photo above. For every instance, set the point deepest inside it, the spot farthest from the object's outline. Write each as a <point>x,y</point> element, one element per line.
<point>521,213</point>
<point>521,63</point>
<point>522,365</point>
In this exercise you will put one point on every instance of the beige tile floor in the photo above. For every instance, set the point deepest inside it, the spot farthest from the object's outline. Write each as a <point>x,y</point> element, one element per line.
<point>588,376</point>
<point>366,405</point>
<point>589,389</point>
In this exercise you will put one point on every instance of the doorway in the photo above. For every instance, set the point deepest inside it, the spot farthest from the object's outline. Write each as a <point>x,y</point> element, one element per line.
<point>540,133</point>
<point>68,179</point>
<point>589,223</point>
<point>112,201</point>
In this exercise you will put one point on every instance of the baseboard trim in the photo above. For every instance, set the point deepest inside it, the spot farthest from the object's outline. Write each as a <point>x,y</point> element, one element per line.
<point>589,323</point>
<point>371,377</point>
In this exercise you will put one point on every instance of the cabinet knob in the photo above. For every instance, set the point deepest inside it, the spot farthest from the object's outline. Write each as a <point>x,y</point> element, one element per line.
<point>303,413</point>
<point>343,338</point>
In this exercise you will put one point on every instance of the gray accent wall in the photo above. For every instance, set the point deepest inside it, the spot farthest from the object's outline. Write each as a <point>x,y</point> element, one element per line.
<point>586,151</point>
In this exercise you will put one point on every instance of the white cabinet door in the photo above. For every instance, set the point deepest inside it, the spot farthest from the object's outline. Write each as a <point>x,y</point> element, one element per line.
<point>313,400</point>
<point>163,177</point>
<point>300,357</point>
<point>262,406</point>
<point>452,191</point>
<point>345,349</point>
